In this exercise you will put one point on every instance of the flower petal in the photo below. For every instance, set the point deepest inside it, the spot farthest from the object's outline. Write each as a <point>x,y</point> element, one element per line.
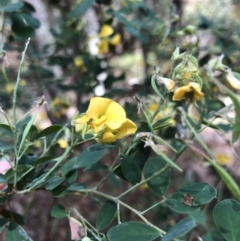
<point>103,47</point>
<point>126,129</point>
<point>232,80</point>
<point>193,87</point>
<point>108,136</point>
<point>116,115</point>
<point>106,31</point>
<point>115,40</point>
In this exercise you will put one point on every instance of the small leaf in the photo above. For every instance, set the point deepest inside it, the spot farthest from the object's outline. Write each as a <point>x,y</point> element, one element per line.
<point>54,183</point>
<point>58,211</point>
<point>87,158</point>
<point>48,131</point>
<point>226,215</point>
<point>13,7</point>
<point>106,214</point>
<point>160,183</point>
<point>200,193</point>
<point>3,222</point>
<point>16,233</point>
<point>44,160</point>
<point>59,191</point>
<point>76,186</point>
<point>130,231</point>
<point>72,177</point>
<point>81,8</point>
<point>68,166</point>
<point>130,169</point>
<point>180,229</point>
<point>22,171</point>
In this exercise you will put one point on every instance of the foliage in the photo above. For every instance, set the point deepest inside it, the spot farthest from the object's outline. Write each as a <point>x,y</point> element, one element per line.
<point>76,129</point>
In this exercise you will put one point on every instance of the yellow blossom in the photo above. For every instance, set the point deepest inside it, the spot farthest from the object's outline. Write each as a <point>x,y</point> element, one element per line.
<point>9,88</point>
<point>62,143</point>
<point>78,62</point>
<point>23,82</point>
<point>103,47</point>
<point>115,40</point>
<point>105,31</point>
<point>191,91</point>
<point>223,159</point>
<point>106,120</point>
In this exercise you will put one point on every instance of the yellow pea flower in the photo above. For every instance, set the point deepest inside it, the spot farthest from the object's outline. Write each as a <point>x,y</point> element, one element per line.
<point>115,40</point>
<point>191,91</point>
<point>106,31</point>
<point>9,88</point>
<point>103,46</point>
<point>106,119</point>
<point>62,143</point>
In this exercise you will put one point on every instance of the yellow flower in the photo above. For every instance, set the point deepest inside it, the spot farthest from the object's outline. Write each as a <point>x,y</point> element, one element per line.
<point>9,88</point>
<point>191,91</point>
<point>103,46</point>
<point>223,159</point>
<point>78,62</point>
<point>23,82</point>
<point>106,31</point>
<point>115,40</point>
<point>106,119</point>
<point>62,143</point>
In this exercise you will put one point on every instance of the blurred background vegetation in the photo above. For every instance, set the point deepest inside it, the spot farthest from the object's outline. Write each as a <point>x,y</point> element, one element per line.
<point>85,48</point>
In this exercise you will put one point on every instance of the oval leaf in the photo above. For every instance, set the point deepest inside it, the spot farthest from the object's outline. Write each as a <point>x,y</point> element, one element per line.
<point>226,215</point>
<point>54,183</point>
<point>15,233</point>
<point>160,183</point>
<point>58,211</point>
<point>130,169</point>
<point>89,157</point>
<point>130,231</point>
<point>180,229</point>
<point>106,214</point>
<point>48,131</point>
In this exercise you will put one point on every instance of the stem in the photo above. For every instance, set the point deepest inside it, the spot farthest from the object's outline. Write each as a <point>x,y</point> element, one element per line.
<point>153,206</point>
<point>111,169</point>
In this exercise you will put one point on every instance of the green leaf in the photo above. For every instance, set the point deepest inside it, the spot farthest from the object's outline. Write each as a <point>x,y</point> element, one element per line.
<point>44,160</point>
<point>200,193</point>
<point>58,211</point>
<point>76,186</point>
<point>87,158</point>
<point>180,229</point>
<point>48,131</point>
<point>130,231</point>
<point>163,122</point>
<point>180,207</point>
<point>226,215</point>
<point>54,182</point>
<point>22,171</point>
<point>130,169</point>
<point>15,233</point>
<point>106,214</point>
<point>72,176</point>
<point>11,215</point>
<point>141,154</point>
<point>155,88</point>
<point>81,8</point>
<point>12,7</point>
<point>3,222</point>
<point>160,183</point>
<point>199,217</point>
<point>4,2</point>
<point>68,166</point>
<point>59,191</point>
<point>26,130</point>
